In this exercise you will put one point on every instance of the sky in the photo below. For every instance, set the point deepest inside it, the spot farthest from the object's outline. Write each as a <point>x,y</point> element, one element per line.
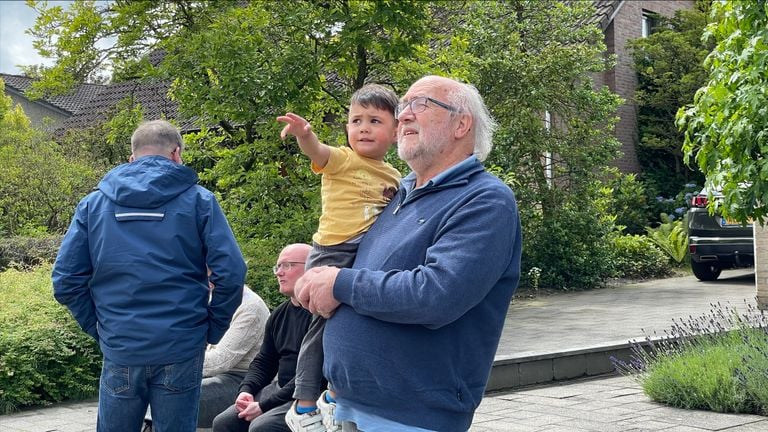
<point>15,45</point>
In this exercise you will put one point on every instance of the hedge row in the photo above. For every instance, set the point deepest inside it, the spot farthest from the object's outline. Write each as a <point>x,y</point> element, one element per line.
<point>44,356</point>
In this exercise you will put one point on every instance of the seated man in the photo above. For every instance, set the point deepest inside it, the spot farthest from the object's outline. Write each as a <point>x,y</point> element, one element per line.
<point>226,363</point>
<point>266,393</point>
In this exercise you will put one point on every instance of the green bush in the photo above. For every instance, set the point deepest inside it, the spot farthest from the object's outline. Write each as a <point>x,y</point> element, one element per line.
<point>638,257</point>
<point>44,356</point>
<point>571,246</point>
<point>28,252</point>
<point>628,202</point>
<point>718,362</point>
<point>671,237</point>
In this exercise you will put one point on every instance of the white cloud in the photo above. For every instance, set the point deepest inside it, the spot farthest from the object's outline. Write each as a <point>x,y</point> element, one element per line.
<point>15,44</point>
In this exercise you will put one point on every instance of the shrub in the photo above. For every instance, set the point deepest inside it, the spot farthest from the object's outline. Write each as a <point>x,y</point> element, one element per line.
<point>628,202</point>
<point>671,237</point>
<point>28,252</point>
<point>718,361</point>
<point>44,356</point>
<point>571,247</point>
<point>638,257</point>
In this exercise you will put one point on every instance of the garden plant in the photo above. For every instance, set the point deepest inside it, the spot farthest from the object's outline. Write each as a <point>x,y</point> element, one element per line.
<point>717,362</point>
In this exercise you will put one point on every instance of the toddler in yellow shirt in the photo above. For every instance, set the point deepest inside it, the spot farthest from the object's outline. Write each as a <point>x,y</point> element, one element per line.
<point>356,186</point>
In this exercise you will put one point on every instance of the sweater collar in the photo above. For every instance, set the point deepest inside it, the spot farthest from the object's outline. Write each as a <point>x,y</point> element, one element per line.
<point>455,172</point>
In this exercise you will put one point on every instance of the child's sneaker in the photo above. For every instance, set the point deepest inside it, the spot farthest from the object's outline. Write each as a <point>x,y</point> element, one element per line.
<point>328,411</point>
<point>307,422</point>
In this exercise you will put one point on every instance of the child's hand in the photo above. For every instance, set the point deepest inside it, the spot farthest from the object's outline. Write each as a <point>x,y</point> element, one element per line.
<point>295,125</point>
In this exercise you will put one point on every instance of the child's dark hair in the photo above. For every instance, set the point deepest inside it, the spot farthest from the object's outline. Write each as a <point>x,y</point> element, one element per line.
<point>377,96</point>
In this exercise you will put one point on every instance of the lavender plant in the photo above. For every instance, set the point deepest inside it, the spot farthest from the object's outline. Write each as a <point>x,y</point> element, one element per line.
<point>717,361</point>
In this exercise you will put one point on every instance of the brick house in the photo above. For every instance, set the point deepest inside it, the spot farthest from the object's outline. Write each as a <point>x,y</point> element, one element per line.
<point>621,21</point>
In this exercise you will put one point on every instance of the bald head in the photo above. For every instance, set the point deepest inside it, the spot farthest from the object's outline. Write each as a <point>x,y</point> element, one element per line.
<point>290,267</point>
<point>302,249</point>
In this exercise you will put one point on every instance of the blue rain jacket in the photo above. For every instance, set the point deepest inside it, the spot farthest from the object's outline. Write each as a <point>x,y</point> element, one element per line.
<point>132,266</point>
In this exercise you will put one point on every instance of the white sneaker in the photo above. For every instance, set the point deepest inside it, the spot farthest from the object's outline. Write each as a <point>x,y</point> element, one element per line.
<point>307,422</point>
<point>328,411</point>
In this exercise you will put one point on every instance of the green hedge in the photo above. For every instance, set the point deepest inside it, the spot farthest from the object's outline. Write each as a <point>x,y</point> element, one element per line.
<point>44,356</point>
<point>638,257</point>
<point>28,252</point>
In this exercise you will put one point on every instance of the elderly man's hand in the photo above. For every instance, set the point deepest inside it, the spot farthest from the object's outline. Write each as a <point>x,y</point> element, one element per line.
<point>314,291</point>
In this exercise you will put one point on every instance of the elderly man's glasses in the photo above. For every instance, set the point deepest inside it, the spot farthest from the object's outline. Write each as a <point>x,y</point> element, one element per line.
<point>420,104</point>
<point>287,266</point>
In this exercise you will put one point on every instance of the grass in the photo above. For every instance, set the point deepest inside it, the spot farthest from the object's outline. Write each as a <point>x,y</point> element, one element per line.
<point>718,362</point>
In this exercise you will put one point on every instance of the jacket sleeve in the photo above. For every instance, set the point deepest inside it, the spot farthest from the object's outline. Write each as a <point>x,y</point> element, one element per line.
<point>471,251</point>
<point>245,332</point>
<point>227,266</point>
<point>72,272</point>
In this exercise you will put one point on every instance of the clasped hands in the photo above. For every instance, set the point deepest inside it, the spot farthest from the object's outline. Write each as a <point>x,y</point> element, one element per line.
<point>247,408</point>
<point>314,291</point>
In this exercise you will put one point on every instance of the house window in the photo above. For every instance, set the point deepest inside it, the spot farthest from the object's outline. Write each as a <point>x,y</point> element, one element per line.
<point>649,23</point>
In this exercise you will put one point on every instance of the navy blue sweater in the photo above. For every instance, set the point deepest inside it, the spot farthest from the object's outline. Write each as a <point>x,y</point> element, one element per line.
<point>424,304</point>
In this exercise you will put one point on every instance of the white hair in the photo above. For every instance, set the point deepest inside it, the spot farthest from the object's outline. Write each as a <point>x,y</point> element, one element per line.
<point>467,99</point>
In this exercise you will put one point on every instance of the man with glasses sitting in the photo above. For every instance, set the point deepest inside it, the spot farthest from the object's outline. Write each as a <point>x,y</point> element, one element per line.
<point>413,326</point>
<point>266,393</point>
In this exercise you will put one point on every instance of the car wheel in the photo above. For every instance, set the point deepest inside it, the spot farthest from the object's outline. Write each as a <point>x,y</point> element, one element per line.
<point>705,271</point>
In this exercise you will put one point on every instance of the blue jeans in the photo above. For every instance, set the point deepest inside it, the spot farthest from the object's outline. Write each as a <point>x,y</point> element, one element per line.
<point>173,391</point>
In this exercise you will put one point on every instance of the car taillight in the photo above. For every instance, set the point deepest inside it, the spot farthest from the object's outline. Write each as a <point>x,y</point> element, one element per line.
<point>699,201</point>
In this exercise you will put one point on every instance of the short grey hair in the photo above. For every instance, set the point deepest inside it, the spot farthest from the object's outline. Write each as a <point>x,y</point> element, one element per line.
<point>467,99</point>
<point>158,134</point>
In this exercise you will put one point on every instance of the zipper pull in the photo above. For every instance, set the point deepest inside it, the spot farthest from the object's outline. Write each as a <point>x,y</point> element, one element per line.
<point>397,208</point>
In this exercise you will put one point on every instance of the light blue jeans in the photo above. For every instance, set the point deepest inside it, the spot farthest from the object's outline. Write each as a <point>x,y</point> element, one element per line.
<point>173,391</point>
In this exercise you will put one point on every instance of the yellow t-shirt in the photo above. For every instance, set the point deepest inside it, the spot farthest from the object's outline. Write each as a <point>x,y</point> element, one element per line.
<point>354,190</point>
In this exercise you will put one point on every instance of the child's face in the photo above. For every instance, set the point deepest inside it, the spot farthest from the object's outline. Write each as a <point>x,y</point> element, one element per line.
<point>371,131</point>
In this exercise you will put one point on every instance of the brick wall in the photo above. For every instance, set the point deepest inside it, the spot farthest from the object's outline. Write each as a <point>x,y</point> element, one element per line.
<point>761,265</point>
<point>627,25</point>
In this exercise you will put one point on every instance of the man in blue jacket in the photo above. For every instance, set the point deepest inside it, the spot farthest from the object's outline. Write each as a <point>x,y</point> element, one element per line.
<point>132,271</point>
<point>415,324</point>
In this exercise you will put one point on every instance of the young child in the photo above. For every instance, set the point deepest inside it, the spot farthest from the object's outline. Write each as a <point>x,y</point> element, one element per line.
<point>356,186</point>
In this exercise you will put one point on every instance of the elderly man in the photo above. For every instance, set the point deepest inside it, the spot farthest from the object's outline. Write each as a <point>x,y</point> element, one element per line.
<point>132,271</point>
<point>414,325</point>
<point>266,392</point>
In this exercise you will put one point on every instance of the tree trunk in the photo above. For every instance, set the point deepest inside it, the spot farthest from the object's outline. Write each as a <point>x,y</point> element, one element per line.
<point>761,265</point>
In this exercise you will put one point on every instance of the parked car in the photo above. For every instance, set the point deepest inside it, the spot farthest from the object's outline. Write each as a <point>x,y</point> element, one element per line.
<point>716,243</point>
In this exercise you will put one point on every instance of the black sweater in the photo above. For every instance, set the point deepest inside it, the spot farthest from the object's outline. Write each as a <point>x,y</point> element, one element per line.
<point>279,352</point>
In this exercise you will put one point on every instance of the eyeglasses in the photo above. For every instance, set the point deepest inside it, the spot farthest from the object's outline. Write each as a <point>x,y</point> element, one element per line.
<point>287,266</point>
<point>419,104</point>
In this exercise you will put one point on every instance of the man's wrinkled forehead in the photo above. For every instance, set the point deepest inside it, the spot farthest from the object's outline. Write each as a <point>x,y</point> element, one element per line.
<point>429,88</point>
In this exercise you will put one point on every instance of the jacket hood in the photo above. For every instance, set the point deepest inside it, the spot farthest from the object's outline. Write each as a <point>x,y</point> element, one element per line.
<point>147,182</point>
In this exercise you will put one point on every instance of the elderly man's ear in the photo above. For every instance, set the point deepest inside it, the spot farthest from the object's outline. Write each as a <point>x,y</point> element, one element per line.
<point>463,126</point>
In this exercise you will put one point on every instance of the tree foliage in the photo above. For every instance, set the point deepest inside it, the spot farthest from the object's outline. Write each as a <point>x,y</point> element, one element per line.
<point>39,184</point>
<point>527,67</point>
<point>725,128</point>
<point>670,68</point>
<point>234,66</point>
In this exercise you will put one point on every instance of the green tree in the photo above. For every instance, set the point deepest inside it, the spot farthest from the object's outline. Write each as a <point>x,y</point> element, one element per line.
<point>39,183</point>
<point>725,126</point>
<point>534,65</point>
<point>235,66</point>
<point>670,68</point>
